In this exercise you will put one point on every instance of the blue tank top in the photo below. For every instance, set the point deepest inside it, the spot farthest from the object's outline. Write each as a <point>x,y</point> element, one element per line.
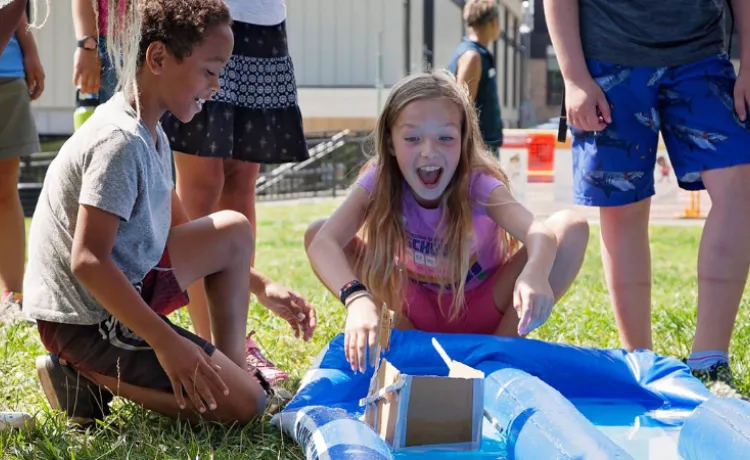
<point>11,60</point>
<point>486,102</point>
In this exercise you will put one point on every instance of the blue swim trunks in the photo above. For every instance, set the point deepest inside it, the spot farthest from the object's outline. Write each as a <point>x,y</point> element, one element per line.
<point>693,108</point>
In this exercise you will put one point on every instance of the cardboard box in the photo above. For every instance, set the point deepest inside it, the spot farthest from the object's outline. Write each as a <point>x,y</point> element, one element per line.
<point>426,412</point>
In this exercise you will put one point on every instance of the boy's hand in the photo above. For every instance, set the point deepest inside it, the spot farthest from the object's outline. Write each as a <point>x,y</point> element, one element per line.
<point>742,93</point>
<point>291,307</point>
<point>189,367</point>
<point>361,332</point>
<point>533,300</point>
<point>586,106</point>
<point>34,75</point>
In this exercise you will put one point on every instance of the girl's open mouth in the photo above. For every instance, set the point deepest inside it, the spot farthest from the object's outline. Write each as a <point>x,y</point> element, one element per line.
<point>430,175</point>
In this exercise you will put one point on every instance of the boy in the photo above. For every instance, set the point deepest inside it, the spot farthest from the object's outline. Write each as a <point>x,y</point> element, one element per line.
<point>473,65</point>
<point>111,252</point>
<point>21,81</point>
<point>634,69</point>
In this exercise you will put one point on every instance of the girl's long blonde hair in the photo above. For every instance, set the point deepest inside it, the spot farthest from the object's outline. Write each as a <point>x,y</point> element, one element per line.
<point>383,230</point>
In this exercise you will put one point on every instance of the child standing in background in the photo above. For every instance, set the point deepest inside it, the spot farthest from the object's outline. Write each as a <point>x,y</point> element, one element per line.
<point>474,66</point>
<point>634,69</point>
<point>21,82</point>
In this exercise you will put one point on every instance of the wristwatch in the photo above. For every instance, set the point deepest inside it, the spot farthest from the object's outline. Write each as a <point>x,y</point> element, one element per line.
<point>88,43</point>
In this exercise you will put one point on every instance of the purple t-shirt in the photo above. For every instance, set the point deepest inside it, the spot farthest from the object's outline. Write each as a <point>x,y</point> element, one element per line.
<point>421,259</point>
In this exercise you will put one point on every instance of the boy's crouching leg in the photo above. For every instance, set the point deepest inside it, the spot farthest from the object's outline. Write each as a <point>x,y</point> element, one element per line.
<point>218,248</point>
<point>245,402</point>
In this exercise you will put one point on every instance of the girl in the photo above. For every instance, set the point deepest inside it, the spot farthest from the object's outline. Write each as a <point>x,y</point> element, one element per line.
<point>440,230</point>
<point>253,119</point>
<point>111,251</point>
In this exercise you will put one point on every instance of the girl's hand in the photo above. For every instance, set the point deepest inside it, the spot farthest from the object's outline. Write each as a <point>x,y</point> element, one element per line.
<point>533,300</point>
<point>291,307</point>
<point>361,332</point>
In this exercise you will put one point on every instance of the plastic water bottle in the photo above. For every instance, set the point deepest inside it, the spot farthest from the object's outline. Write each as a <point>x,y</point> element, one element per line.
<point>86,103</point>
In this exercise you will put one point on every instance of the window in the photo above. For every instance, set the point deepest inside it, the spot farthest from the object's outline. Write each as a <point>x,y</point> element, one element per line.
<point>506,40</point>
<point>555,83</point>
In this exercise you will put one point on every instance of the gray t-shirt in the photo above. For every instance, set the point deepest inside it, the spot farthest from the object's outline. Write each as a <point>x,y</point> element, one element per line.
<point>652,33</point>
<point>110,163</point>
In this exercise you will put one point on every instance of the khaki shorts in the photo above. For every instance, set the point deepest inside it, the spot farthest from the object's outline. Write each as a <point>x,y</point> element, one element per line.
<point>18,135</point>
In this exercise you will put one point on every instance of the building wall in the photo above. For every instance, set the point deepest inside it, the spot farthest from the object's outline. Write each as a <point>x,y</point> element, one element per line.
<point>334,45</point>
<point>542,110</point>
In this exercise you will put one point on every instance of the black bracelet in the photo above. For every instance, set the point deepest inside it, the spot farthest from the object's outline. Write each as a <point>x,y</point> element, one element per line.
<point>350,288</point>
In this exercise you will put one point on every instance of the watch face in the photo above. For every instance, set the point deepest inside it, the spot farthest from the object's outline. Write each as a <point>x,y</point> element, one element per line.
<point>87,43</point>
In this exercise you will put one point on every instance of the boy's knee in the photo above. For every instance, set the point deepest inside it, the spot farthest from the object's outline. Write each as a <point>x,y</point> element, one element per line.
<point>313,230</point>
<point>252,407</point>
<point>237,231</point>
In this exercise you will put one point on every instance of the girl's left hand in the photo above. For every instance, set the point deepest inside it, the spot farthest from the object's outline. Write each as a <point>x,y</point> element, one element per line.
<point>533,300</point>
<point>291,307</point>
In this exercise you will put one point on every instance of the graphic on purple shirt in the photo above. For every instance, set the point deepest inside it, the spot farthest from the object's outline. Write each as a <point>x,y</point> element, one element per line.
<point>422,258</point>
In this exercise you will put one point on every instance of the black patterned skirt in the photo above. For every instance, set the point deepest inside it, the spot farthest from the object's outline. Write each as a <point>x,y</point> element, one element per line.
<point>255,116</point>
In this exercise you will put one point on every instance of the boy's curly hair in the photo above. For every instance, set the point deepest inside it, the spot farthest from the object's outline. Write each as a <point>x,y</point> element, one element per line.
<point>480,12</point>
<point>179,24</point>
<point>132,25</point>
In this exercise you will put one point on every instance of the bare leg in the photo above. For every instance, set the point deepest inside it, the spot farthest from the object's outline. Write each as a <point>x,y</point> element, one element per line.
<point>626,257</point>
<point>723,258</point>
<point>218,247</point>
<point>199,184</point>
<point>239,189</point>
<point>245,401</point>
<point>12,230</point>
<point>572,234</point>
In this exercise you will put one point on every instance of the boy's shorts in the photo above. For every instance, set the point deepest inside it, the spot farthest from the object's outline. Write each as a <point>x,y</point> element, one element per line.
<point>693,108</point>
<point>111,349</point>
<point>18,135</point>
<point>479,315</point>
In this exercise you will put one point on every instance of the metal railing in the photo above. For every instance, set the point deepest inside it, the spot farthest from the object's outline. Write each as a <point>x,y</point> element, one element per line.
<point>332,164</point>
<point>335,159</point>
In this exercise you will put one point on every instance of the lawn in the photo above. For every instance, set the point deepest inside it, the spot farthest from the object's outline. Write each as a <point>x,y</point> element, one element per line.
<point>582,317</point>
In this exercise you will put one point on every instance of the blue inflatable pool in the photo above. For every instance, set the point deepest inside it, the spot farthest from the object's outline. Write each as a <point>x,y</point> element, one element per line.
<point>541,401</point>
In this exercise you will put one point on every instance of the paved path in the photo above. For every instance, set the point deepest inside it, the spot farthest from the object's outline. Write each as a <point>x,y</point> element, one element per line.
<point>667,206</point>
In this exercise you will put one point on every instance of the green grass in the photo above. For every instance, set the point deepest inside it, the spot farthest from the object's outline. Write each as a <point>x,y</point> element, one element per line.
<point>582,317</point>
